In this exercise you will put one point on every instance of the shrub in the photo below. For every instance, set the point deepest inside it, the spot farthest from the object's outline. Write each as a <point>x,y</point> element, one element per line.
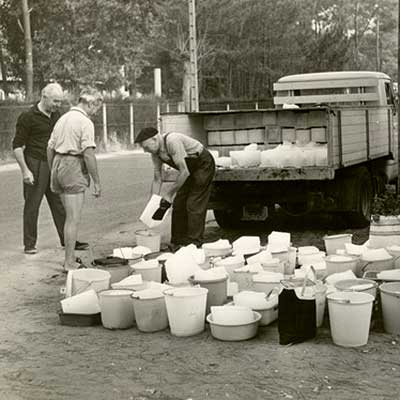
<point>387,203</point>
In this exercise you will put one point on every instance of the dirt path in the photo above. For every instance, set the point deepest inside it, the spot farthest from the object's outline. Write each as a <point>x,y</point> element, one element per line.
<point>40,359</point>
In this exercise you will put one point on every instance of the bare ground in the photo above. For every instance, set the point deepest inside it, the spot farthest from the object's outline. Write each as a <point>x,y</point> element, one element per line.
<point>41,359</point>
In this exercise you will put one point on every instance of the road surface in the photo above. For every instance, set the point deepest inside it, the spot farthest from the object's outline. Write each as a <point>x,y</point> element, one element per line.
<point>125,180</point>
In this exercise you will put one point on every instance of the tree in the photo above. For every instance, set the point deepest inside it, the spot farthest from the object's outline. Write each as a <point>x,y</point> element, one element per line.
<point>83,42</point>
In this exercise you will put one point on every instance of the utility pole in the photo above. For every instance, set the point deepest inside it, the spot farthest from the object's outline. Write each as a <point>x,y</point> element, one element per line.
<point>378,44</point>
<point>194,89</point>
<point>28,50</point>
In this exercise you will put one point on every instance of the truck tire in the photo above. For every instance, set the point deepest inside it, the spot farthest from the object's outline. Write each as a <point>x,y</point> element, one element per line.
<point>361,186</point>
<point>228,219</point>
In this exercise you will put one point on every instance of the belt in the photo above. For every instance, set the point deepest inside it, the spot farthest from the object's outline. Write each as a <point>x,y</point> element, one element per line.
<point>70,154</point>
<point>195,155</point>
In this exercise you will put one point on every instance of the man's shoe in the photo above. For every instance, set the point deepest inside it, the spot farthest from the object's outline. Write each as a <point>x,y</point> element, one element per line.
<point>81,245</point>
<point>30,250</point>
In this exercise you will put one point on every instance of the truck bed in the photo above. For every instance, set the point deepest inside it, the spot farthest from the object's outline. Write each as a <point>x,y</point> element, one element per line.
<point>353,135</point>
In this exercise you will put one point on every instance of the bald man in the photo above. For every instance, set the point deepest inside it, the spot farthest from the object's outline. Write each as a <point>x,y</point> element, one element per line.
<point>33,131</point>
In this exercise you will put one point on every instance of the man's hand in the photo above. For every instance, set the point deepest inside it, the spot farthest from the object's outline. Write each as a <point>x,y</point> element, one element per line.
<point>160,212</point>
<point>168,197</point>
<point>96,190</point>
<point>28,178</point>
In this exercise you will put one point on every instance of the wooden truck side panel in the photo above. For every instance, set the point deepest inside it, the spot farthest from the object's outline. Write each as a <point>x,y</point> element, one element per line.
<point>360,135</point>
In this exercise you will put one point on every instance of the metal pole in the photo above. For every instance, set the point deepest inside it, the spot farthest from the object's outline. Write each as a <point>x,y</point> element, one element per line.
<point>131,124</point>
<point>378,50</point>
<point>194,89</point>
<point>105,138</point>
<point>158,117</point>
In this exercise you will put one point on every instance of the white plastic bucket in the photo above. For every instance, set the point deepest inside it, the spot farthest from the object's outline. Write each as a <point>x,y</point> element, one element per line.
<point>217,290</point>
<point>281,255</point>
<point>82,303</point>
<point>384,232</point>
<point>357,285</point>
<point>116,309</point>
<point>186,309</point>
<point>319,293</point>
<point>278,266</point>
<point>390,298</point>
<point>81,280</point>
<point>150,270</point>
<point>338,263</point>
<point>394,251</point>
<point>292,259</point>
<point>149,239</point>
<point>117,271</point>
<point>244,279</point>
<point>374,266</point>
<point>350,317</point>
<point>230,264</point>
<point>150,310</point>
<point>335,242</point>
<point>263,283</point>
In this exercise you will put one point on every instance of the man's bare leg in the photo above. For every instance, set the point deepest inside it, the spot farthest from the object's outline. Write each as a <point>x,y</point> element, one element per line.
<point>73,204</point>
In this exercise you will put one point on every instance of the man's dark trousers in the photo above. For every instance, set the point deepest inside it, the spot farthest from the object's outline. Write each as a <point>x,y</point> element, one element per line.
<point>33,195</point>
<point>190,204</point>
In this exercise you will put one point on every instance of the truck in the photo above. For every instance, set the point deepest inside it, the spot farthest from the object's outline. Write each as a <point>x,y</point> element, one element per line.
<point>352,113</point>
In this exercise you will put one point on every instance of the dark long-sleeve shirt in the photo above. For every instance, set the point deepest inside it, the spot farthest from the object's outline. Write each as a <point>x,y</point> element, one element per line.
<point>33,131</point>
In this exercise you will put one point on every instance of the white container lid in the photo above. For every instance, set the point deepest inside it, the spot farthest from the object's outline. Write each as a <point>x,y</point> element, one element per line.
<point>376,255</point>
<point>220,244</point>
<point>268,277</point>
<point>339,258</point>
<point>307,250</point>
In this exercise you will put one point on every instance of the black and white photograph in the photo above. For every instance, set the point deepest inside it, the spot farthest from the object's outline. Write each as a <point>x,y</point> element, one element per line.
<point>199,200</point>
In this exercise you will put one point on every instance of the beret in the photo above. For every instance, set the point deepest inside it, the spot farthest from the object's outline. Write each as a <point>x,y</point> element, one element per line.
<point>146,133</point>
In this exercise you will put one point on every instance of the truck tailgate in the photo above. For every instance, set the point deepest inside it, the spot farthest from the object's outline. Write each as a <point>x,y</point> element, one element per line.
<point>263,174</point>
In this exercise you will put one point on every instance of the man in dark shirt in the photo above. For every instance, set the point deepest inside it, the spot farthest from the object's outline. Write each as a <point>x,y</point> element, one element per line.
<point>33,131</point>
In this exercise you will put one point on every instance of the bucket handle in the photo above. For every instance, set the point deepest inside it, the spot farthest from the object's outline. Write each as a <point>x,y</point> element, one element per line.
<point>271,292</point>
<point>367,273</point>
<point>306,279</point>
<point>365,266</point>
<point>342,301</point>
<point>397,295</point>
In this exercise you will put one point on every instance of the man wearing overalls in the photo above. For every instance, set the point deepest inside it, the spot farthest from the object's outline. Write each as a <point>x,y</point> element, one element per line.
<point>191,190</point>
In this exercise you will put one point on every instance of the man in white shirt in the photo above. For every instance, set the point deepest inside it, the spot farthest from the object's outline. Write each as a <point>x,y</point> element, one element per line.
<point>71,157</point>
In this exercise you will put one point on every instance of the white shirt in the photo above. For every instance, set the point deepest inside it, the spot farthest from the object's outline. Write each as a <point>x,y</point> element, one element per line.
<point>73,133</point>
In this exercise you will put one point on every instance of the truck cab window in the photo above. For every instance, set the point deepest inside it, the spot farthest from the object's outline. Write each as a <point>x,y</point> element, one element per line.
<point>389,94</point>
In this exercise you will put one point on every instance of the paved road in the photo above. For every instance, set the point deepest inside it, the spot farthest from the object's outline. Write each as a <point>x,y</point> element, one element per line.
<point>126,183</point>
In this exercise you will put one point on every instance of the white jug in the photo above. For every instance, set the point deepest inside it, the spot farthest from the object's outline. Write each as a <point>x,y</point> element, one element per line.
<point>151,207</point>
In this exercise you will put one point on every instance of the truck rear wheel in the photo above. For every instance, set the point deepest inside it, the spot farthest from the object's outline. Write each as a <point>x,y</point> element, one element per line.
<point>361,185</point>
<point>228,219</point>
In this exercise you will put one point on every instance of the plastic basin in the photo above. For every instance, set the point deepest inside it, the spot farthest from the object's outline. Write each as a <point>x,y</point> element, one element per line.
<point>233,333</point>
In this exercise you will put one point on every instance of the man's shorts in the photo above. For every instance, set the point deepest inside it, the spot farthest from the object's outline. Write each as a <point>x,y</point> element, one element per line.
<point>69,174</point>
